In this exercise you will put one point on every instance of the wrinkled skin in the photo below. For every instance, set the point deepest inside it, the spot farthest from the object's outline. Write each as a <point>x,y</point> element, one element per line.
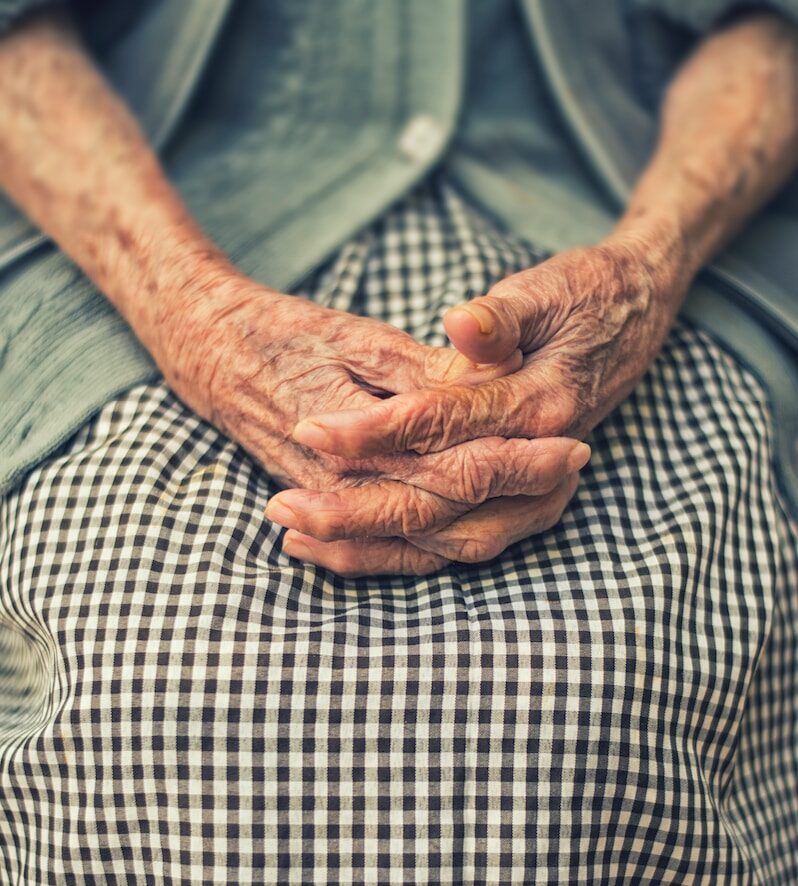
<point>255,363</point>
<point>588,322</point>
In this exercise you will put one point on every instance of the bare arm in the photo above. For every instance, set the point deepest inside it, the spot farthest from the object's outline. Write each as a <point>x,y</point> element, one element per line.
<point>728,140</point>
<point>73,158</point>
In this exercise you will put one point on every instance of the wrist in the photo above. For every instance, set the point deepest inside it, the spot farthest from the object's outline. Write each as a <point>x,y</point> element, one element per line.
<point>658,241</point>
<point>656,253</point>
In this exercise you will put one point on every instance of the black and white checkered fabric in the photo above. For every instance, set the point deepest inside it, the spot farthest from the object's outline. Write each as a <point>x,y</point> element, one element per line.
<point>615,701</point>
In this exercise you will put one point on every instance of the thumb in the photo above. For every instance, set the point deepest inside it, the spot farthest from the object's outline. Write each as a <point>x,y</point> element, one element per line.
<point>487,329</point>
<point>515,314</point>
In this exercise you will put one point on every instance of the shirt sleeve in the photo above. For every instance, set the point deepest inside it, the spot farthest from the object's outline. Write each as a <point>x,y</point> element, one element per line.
<point>700,16</point>
<point>13,10</point>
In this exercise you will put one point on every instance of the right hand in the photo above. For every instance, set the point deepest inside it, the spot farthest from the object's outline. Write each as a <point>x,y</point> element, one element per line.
<point>255,362</point>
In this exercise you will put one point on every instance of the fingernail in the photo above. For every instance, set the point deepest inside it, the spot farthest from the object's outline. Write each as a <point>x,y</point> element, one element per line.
<point>578,457</point>
<point>298,549</point>
<point>279,512</point>
<point>482,315</point>
<point>309,433</point>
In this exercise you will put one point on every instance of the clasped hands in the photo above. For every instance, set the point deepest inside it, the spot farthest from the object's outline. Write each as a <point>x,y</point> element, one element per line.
<point>400,458</point>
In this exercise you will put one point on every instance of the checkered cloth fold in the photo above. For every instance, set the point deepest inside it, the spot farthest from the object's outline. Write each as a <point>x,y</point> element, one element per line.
<point>614,701</point>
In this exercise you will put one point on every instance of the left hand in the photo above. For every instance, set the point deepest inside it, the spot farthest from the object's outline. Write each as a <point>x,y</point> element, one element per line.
<point>588,321</point>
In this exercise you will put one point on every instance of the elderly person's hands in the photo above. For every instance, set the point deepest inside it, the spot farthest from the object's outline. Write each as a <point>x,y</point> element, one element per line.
<point>255,362</point>
<point>588,321</point>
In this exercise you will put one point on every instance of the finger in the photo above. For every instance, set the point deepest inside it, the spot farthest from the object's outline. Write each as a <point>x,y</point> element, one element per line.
<point>355,558</point>
<point>510,316</point>
<point>480,332</point>
<point>436,489</point>
<point>487,531</point>
<point>378,510</point>
<point>522,405</point>
<point>489,467</point>
<point>263,440</point>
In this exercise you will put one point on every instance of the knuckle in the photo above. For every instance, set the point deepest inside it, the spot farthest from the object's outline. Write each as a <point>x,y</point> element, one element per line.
<point>476,550</point>
<point>447,417</point>
<point>417,562</point>
<point>384,517</point>
<point>475,478</point>
<point>416,429</point>
<point>431,428</point>
<point>521,291</point>
<point>507,289</point>
<point>326,526</point>
<point>417,515</point>
<point>346,565</point>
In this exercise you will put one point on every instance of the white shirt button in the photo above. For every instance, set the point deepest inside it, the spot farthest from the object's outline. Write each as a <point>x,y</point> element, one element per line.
<point>421,139</point>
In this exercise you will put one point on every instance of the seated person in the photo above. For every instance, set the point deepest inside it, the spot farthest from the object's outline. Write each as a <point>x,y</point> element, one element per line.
<point>458,647</point>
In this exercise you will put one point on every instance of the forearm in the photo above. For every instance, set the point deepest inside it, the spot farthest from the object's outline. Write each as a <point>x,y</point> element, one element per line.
<point>728,140</point>
<point>74,160</point>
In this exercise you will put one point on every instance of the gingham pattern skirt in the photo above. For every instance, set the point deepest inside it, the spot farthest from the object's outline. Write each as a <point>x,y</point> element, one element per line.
<point>614,701</point>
